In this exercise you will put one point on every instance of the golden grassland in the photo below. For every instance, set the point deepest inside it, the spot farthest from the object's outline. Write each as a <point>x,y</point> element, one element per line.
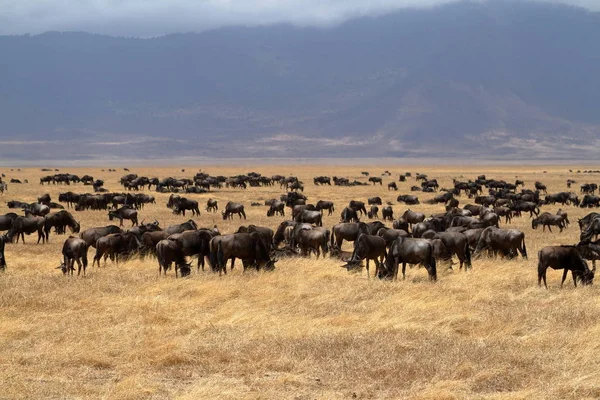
<point>308,330</point>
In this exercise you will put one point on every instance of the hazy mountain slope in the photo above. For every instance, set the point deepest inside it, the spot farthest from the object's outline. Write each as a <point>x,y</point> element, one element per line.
<point>452,80</point>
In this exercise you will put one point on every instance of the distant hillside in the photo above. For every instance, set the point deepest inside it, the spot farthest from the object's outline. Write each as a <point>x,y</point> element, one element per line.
<point>496,79</point>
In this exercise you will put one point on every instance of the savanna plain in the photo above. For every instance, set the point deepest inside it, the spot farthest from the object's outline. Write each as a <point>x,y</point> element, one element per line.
<point>308,330</point>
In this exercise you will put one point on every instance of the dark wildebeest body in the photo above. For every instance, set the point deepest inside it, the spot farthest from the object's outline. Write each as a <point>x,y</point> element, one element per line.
<point>91,235</point>
<point>189,225</point>
<point>567,258</point>
<point>325,205</point>
<point>122,213</point>
<point>590,251</point>
<point>115,246</point>
<point>151,239</point>
<point>387,213</point>
<point>2,258</point>
<point>184,204</point>
<point>7,220</point>
<point>212,205</point>
<point>195,243</point>
<point>590,201</point>
<point>59,220</point>
<point>249,247</point>
<point>413,217</point>
<point>506,241</point>
<point>373,212</point>
<point>375,200</point>
<point>400,223</point>
<point>392,186</point>
<point>408,199</point>
<point>311,217</point>
<point>276,207</point>
<point>409,251</point>
<point>547,220</point>
<point>167,253</point>
<point>389,235</point>
<point>27,225</point>
<point>347,231</point>
<point>234,208</point>
<point>311,240</point>
<point>38,210</point>
<point>526,206</point>
<point>358,206</point>
<point>370,248</point>
<point>591,231</point>
<point>74,251</point>
<point>349,215</point>
<point>457,243</point>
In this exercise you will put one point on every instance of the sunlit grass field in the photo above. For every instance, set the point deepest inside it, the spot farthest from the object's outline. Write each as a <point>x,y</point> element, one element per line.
<point>308,330</point>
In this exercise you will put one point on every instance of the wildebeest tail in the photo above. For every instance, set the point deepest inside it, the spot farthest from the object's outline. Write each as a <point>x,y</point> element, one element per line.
<point>220,257</point>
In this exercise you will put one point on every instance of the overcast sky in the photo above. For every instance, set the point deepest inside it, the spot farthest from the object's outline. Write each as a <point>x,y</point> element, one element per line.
<point>158,17</point>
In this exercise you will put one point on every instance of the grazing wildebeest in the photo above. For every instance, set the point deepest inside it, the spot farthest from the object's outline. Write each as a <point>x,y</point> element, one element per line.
<point>592,230</point>
<point>347,231</point>
<point>27,225</point>
<point>276,207</point>
<point>506,241</point>
<point>322,180</point>
<point>387,213</point>
<point>122,213</point>
<point>370,248</point>
<point>311,217</point>
<point>590,251</point>
<point>567,258</point>
<point>2,258</point>
<point>91,235</point>
<point>564,215</point>
<point>349,215</point>
<point>547,220</point>
<point>541,187</point>
<point>504,212</point>
<point>409,251</point>
<point>590,201</point>
<point>189,225</point>
<point>585,221</point>
<point>193,243</point>
<point>45,199</point>
<point>413,217</point>
<point>473,209</point>
<point>249,247</point>
<point>408,199</point>
<point>116,245</point>
<point>392,186</point>
<point>212,205</point>
<point>457,243</point>
<point>74,250</point>
<point>234,208</point>
<point>150,239</point>
<point>325,205</point>
<point>373,212</point>
<point>279,236</point>
<point>59,220</point>
<point>358,206</point>
<point>375,200</point>
<point>167,253</point>
<point>312,240</point>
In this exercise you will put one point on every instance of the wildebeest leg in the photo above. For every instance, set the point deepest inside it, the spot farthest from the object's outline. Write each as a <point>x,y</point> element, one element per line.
<point>121,221</point>
<point>549,228</point>
<point>566,271</point>
<point>232,264</point>
<point>368,274</point>
<point>574,278</point>
<point>79,265</point>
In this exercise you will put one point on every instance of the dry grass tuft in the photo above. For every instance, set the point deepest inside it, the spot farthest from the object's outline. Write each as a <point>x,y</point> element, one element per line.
<point>308,330</point>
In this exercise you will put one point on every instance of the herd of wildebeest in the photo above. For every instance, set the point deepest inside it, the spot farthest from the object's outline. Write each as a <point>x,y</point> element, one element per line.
<point>467,232</point>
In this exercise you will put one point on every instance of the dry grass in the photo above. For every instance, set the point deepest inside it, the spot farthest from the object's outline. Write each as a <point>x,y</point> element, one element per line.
<point>308,330</point>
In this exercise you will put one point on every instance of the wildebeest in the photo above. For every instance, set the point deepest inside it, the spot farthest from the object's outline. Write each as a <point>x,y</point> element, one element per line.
<point>116,245</point>
<point>322,180</point>
<point>2,258</point>
<point>457,243</point>
<point>409,251</point>
<point>373,212</point>
<point>195,243</point>
<point>91,235</point>
<point>567,258</point>
<point>541,187</point>
<point>375,180</point>
<point>358,206</point>
<point>74,250</point>
<point>122,213</point>
<point>312,240</point>
<point>408,199</point>
<point>311,217</point>
<point>249,247</point>
<point>183,204</point>
<point>392,186</point>
<point>347,231</point>
<point>27,225</point>
<point>150,239</point>
<point>276,207</point>
<point>233,208</point>
<point>505,241</point>
<point>547,220</point>
<point>526,206</point>
<point>37,209</point>
<point>564,215</point>
<point>167,253</point>
<point>212,205</point>
<point>387,213</point>
<point>59,220</point>
<point>413,217</point>
<point>389,235</point>
<point>370,248</point>
<point>375,200</point>
<point>590,201</point>
<point>349,215</point>
<point>325,205</point>
<point>189,225</point>
<point>6,221</point>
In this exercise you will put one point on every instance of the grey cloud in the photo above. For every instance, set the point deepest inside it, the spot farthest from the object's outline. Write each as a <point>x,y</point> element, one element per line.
<point>159,17</point>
